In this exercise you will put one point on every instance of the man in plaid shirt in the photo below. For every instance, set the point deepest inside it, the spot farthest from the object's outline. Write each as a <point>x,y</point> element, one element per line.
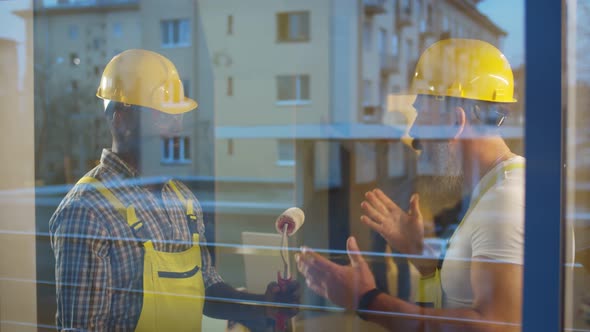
<point>107,227</point>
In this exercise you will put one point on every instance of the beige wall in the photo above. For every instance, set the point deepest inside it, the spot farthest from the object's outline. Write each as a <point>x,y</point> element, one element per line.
<point>18,303</point>
<point>256,60</point>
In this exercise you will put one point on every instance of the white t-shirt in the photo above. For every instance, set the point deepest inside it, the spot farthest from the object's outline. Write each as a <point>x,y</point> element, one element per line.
<point>494,229</point>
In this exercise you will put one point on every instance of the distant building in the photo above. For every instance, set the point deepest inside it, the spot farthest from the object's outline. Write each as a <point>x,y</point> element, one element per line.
<point>74,40</point>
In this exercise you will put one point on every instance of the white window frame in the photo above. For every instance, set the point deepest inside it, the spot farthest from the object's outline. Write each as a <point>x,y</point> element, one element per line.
<point>285,162</point>
<point>184,32</point>
<point>297,100</point>
<point>169,142</point>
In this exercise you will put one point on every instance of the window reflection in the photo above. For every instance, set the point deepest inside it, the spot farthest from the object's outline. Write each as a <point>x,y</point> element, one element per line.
<point>577,237</point>
<point>299,105</point>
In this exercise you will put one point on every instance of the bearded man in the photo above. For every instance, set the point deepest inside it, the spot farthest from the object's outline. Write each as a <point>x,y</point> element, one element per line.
<point>463,89</point>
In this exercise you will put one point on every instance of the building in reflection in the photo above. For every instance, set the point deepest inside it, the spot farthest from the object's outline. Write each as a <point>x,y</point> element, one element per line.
<point>74,40</point>
<point>294,104</point>
<point>302,113</point>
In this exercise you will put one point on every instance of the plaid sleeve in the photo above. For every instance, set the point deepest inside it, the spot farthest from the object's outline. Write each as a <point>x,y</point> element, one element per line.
<point>210,275</point>
<point>82,269</point>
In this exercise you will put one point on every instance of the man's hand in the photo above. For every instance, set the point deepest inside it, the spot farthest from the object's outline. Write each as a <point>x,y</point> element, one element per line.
<point>403,231</point>
<point>287,299</point>
<point>343,285</point>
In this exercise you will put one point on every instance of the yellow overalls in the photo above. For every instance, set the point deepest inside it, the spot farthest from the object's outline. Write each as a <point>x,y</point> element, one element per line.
<point>173,289</point>
<point>430,292</point>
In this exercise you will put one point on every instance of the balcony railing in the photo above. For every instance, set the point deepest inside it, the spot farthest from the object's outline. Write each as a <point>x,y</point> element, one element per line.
<point>374,7</point>
<point>76,4</point>
<point>389,64</point>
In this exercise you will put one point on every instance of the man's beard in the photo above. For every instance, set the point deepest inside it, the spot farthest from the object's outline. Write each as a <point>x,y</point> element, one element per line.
<point>444,188</point>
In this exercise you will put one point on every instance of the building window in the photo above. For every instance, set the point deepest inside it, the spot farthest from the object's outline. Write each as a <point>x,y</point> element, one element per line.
<point>175,33</point>
<point>230,86</point>
<point>429,17</point>
<point>117,30</point>
<point>381,44</point>
<point>367,36</point>
<point>230,24</point>
<point>230,146</point>
<point>406,7</point>
<point>410,49</point>
<point>367,91</point>
<point>286,152</point>
<point>293,89</point>
<point>176,150</point>
<point>73,32</point>
<point>394,45</point>
<point>293,27</point>
<point>96,43</point>
<point>186,86</point>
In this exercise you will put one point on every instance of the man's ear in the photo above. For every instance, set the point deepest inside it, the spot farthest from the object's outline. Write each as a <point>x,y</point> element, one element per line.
<point>117,119</point>
<point>119,123</point>
<point>460,122</point>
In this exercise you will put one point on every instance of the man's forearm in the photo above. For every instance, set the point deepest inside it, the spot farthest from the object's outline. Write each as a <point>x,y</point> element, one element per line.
<point>225,302</point>
<point>398,315</point>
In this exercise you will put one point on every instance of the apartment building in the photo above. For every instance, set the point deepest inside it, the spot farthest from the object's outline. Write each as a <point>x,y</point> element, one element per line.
<point>317,62</point>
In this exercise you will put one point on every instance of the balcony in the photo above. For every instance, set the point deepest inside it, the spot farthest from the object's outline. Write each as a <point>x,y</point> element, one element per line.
<point>374,7</point>
<point>389,64</point>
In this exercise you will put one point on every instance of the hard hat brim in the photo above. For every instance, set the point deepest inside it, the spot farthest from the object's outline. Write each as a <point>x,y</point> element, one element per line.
<point>185,106</point>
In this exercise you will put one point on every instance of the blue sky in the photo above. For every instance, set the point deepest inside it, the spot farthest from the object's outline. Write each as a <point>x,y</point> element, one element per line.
<point>509,15</point>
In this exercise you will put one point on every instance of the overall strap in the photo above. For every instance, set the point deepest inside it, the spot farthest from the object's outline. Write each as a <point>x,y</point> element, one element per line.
<point>188,204</point>
<point>128,213</point>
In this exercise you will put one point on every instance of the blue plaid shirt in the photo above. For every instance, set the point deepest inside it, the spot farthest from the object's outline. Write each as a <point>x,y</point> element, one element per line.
<point>99,260</point>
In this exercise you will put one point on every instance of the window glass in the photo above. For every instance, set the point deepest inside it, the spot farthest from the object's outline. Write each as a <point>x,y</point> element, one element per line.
<point>577,177</point>
<point>151,148</point>
<point>293,26</point>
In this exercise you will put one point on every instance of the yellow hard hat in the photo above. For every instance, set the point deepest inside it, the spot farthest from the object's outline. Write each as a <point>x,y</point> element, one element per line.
<point>464,68</point>
<point>144,78</point>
